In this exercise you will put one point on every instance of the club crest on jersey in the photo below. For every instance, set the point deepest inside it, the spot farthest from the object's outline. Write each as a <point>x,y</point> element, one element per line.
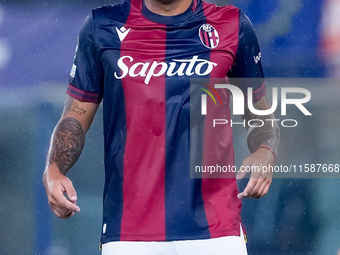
<point>209,36</point>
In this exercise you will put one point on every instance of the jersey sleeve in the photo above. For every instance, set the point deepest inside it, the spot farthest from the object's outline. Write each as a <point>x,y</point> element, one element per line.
<point>247,69</point>
<point>85,82</point>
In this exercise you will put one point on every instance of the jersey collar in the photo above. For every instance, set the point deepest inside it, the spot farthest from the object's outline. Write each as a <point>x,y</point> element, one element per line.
<point>167,20</point>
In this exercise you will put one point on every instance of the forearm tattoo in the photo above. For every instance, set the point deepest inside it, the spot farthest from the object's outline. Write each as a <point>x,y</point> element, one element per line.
<point>268,134</point>
<point>67,144</point>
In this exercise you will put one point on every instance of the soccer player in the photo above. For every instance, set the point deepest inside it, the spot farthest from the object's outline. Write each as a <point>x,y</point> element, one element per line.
<point>137,58</point>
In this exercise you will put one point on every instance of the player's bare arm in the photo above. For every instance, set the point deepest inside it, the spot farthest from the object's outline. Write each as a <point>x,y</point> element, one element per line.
<point>263,144</point>
<point>67,143</point>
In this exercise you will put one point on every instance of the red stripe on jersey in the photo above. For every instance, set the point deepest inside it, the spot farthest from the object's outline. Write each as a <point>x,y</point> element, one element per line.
<point>144,158</point>
<point>220,194</point>
<point>194,6</point>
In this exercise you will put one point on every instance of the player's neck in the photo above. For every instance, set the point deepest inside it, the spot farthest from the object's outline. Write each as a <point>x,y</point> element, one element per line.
<point>168,7</point>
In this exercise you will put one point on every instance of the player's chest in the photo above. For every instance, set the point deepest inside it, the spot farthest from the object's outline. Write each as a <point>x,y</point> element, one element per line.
<point>137,51</point>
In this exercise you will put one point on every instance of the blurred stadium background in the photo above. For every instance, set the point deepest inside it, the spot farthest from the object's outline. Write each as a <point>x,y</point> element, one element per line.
<point>299,39</point>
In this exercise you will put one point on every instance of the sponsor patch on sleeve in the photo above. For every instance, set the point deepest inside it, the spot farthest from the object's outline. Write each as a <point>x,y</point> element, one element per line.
<point>73,71</point>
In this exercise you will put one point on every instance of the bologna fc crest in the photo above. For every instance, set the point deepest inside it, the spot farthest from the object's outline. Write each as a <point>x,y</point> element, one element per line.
<point>209,36</point>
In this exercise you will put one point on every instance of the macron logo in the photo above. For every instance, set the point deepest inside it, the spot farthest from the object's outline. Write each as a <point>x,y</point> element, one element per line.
<point>122,33</point>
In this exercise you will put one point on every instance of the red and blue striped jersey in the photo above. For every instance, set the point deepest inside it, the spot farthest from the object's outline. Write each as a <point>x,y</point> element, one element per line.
<point>139,64</point>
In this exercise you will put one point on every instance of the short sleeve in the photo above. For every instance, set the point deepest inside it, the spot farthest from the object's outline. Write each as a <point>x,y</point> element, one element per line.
<point>247,69</point>
<point>85,82</point>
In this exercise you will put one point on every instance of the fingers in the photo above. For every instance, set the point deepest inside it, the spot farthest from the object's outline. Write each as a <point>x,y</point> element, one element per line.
<point>249,189</point>
<point>264,188</point>
<point>240,175</point>
<point>61,213</point>
<point>260,180</point>
<point>256,188</point>
<point>70,192</point>
<point>63,206</point>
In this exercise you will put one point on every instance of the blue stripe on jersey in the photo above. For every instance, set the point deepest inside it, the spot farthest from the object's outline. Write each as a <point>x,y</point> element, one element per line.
<point>115,134</point>
<point>184,206</point>
<point>244,65</point>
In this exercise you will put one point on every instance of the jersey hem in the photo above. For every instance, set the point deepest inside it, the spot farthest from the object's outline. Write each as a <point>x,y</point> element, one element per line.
<point>155,238</point>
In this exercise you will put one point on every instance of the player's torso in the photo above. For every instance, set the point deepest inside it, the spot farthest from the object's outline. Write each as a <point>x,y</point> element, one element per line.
<point>148,61</point>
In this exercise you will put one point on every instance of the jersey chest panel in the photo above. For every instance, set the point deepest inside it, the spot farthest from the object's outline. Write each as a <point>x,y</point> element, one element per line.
<point>160,51</point>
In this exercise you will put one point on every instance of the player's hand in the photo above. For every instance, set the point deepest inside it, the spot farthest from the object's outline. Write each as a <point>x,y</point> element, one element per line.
<point>56,186</point>
<point>259,182</point>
